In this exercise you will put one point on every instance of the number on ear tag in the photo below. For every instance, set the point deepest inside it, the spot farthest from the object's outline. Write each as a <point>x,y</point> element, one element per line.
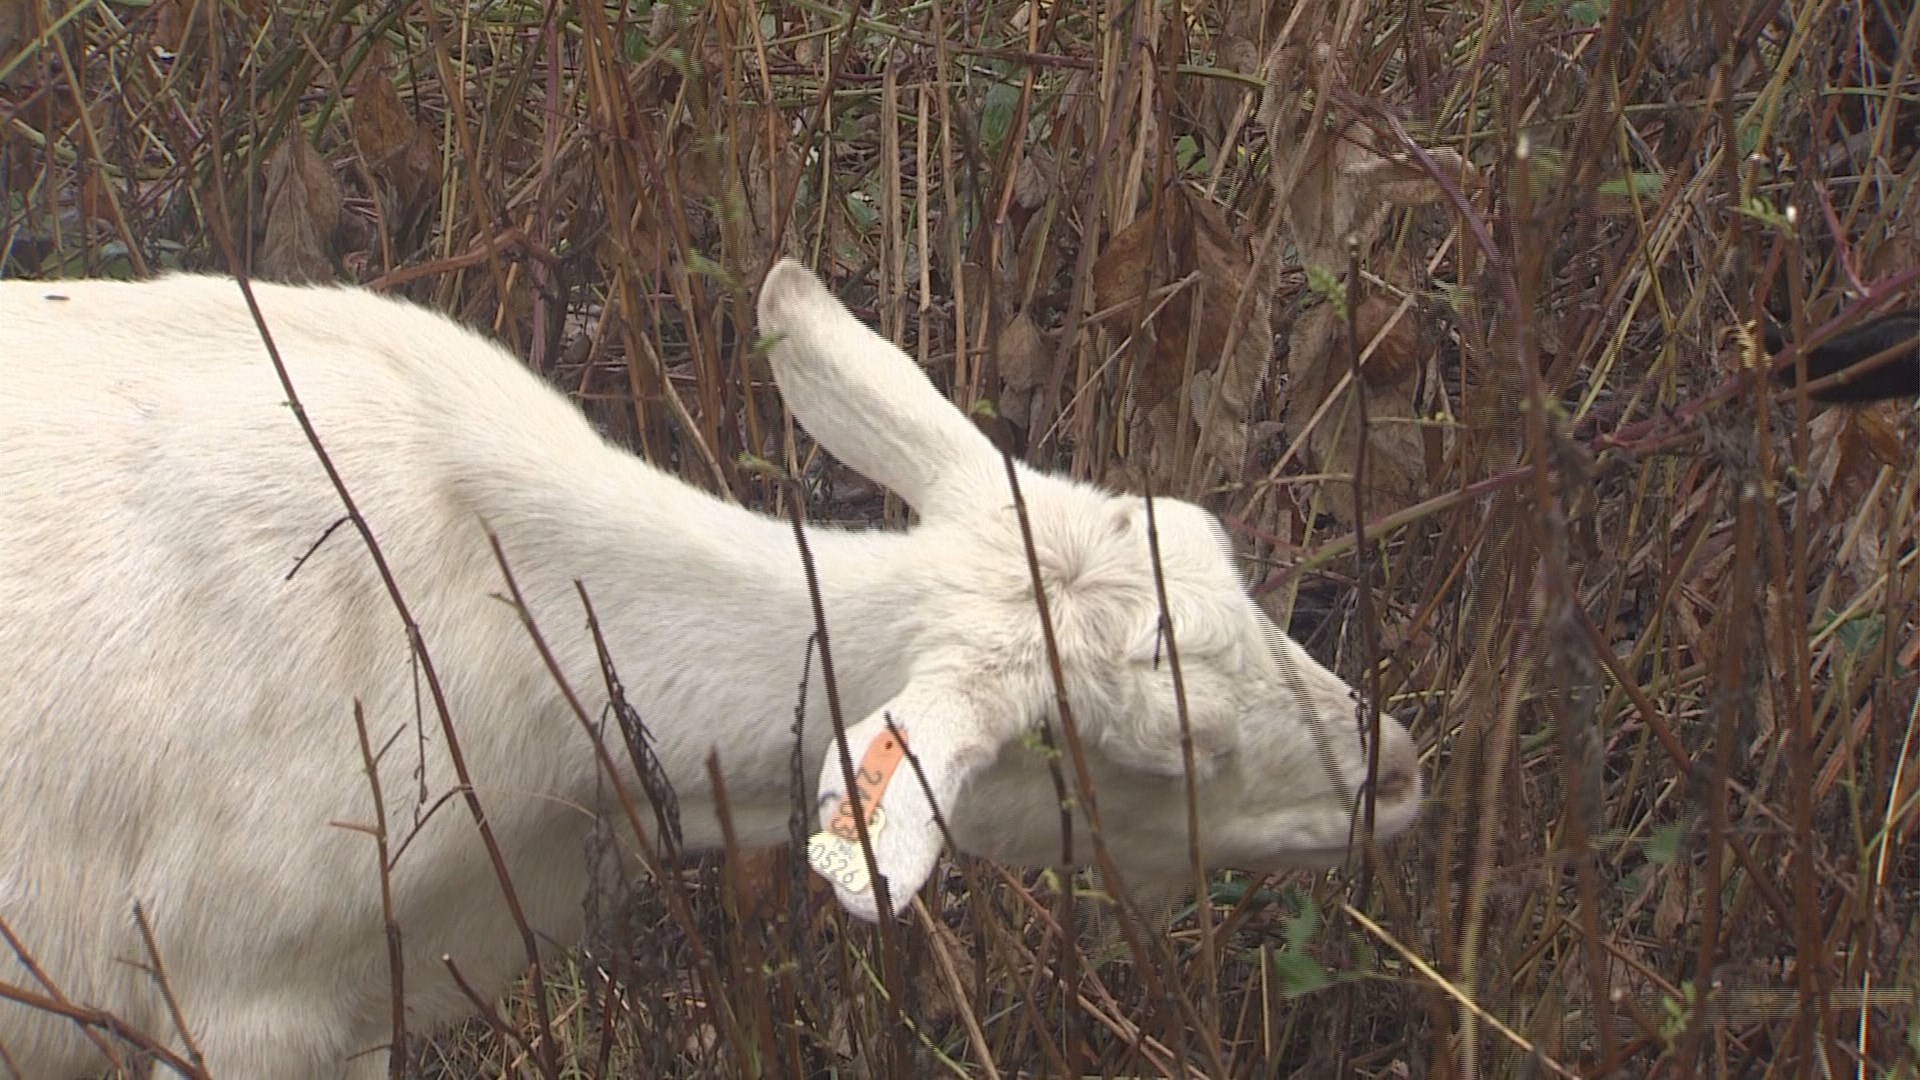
<point>840,860</point>
<point>883,756</point>
<point>835,852</point>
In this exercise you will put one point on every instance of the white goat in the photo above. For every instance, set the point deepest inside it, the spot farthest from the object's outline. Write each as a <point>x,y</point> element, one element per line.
<point>177,709</point>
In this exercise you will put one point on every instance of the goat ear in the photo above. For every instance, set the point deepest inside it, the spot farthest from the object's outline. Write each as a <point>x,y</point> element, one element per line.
<point>865,400</point>
<point>945,741</point>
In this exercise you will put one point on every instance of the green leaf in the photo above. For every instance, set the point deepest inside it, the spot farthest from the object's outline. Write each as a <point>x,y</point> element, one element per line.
<point>1759,209</point>
<point>1230,891</point>
<point>1328,285</point>
<point>1678,1013</point>
<point>1299,973</point>
<point>676,58</point>
<point>713,271</point>
<point>1643,184</point>
<point>996,115</point>
<point>1302,927</point>
<point>754,463</point>
<point>1860,634</point>
<point>864,214</point>
<point>1366,959</point>
<point>1186,154</point>
<point>1664,845</point>
<point>634,45</point>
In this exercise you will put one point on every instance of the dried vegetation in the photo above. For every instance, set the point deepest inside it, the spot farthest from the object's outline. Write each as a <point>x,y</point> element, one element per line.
<point>1657,619</point>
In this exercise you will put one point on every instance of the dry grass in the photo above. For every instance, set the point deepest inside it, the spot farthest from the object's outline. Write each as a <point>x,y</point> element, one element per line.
<point>1659,624</point>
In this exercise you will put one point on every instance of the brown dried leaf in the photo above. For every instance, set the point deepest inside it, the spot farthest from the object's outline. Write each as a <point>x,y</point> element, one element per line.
<point>1335,182</point>
<point>1336,185</point>
<point>1225,105</point>
<point>1847,450</point>
<point>1879,438</point>
<point>397,151</point>
<point>749,207</point>
<point>1676,892</point>
<point>302,210</point>
<point>174,22</point>
<point>179,26</point>
<point>16,25</point>
<point>1036,178</point>
<point>1843,461</point>
<point>1396,468</point>
<point>1142,257</point>
<point>19,28</point>
<point>1885,252</point>
<point>1397,356</point>
<point>1021,355</point>
<point>1188,236</point>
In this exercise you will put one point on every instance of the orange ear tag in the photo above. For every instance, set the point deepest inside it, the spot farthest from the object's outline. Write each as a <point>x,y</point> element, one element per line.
<point>835,853</point>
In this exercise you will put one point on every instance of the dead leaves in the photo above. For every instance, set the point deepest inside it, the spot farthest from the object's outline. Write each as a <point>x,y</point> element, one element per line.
<point>16,27</point>
<point>1336,183</point>
<point>1179,268</point>
<point>1852,455</point>
<point>400,155</point>
<point>1021,354</point>
<point>180,26</point>
<point>302,210</point>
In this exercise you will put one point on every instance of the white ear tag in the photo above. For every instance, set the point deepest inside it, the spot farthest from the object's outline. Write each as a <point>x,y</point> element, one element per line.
<point>835,852</point>
<point>838,859</point>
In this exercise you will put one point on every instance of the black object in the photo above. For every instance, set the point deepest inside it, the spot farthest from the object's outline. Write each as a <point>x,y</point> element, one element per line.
<point>1895,378</point>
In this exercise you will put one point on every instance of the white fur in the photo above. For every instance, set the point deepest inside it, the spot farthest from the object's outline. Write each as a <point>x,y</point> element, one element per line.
<point>176,713</point>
